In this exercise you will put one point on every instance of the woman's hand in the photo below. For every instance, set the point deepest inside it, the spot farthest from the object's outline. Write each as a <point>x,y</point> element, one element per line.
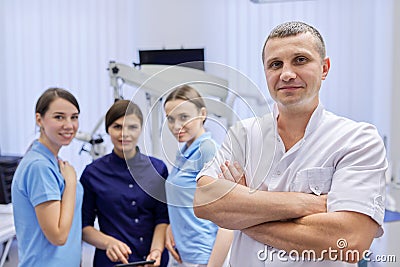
<point>155,254</point>
<point>170,244</point>
<point>68,172</point>
<point>117,251</point>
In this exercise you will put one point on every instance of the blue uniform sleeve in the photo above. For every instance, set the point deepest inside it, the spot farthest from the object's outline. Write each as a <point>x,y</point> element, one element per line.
<point>207,149</point>
<point>43,183</point>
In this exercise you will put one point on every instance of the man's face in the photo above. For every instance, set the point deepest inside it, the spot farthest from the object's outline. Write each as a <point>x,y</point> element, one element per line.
<point>294,70</point>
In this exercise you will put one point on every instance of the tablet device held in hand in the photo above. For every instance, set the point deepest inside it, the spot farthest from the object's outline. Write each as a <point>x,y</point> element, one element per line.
<point>136,263</point>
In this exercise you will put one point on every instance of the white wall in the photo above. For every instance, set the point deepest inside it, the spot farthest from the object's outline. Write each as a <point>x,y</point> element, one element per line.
<point>395,107</point>
<point>69,43</point>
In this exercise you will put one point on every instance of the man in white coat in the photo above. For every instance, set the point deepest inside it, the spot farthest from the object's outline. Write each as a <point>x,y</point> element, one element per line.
<point>301,186</point>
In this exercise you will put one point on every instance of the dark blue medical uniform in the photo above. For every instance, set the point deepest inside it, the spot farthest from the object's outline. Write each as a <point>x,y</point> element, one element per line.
<point>128,198</point>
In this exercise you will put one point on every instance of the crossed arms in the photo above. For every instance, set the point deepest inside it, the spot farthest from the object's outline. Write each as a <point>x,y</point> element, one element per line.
<point>284,220</point>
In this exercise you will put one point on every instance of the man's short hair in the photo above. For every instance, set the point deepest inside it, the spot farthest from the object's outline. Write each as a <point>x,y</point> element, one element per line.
<point>293,28</point>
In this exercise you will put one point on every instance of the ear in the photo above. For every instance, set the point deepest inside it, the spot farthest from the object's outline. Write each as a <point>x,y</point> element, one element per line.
<point>203,113</point>
<point>325,67</point>
<point>39,120</point>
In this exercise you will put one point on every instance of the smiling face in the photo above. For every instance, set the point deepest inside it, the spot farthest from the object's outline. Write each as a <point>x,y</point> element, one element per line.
<point>185,120</point>
<point>294,70</point>
<point>58,125</point>
<point>124,133</point>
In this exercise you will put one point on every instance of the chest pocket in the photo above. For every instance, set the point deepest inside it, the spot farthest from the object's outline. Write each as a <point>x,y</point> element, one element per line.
<point>314,180</point>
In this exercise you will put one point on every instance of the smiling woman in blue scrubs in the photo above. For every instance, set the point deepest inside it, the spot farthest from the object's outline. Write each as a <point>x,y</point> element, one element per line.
<point>46,195</point>
<point>125,191</point>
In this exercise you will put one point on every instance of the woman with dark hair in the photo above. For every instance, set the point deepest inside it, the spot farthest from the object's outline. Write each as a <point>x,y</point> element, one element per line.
<point>46,196</point>
<point>125,191</point>
<point>192,241</point>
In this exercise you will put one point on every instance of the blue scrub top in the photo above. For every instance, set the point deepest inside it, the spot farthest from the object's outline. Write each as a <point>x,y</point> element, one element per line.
<point>194,237</point>
<point>128,198</point>
<point>37,180</point>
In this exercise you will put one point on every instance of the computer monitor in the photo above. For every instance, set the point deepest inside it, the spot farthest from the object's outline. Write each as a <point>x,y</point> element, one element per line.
<point>8,165</point>
<point>195,57</point>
